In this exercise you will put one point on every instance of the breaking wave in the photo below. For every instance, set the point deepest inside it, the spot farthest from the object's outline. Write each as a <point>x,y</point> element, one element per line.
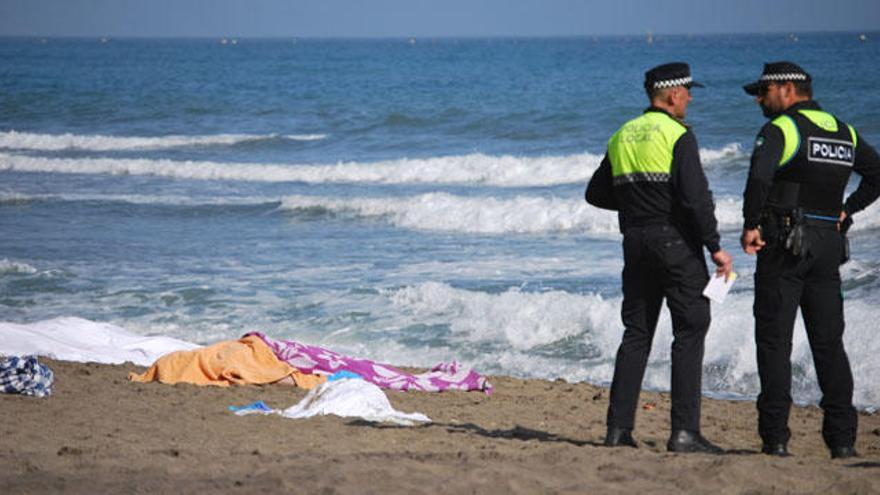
<point>476,168</point>
<point>54,142</point>
<point>575,336</point>
<point>477,215</point>
<point>7,266</point>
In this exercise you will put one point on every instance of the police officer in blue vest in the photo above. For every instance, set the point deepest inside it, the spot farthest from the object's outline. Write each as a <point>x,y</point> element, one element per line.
<point>652,176</point>
<point>795,220</point>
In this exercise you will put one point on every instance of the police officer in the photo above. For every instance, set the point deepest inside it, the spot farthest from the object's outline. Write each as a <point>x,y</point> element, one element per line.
<point>652,176</point>
<point>795,219</point>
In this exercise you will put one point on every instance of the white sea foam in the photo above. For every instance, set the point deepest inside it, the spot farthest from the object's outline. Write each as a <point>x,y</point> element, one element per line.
<point>726,154</point>
<point>305,137</point>
<point>869,218</point>
<point>857,270</point>
<point>432,211</point>
<point>13,198</point>
<point>479,215</point>
<point>53,142</point>
<point>7,266</point>
<point>476,168</point>
<point>519,319</point>
<point>16,140</point>
<point>728,212</point>
<point>518,322</point>
<point>517,266</point>
<point>142,199</point>
<point>489,215</point>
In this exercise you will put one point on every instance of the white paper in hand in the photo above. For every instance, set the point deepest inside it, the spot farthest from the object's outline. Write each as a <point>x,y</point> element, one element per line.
<point>719,286</point>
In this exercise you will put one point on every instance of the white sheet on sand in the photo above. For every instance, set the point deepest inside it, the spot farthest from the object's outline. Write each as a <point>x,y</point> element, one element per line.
<point>76,339</point>
<point>351,398</point>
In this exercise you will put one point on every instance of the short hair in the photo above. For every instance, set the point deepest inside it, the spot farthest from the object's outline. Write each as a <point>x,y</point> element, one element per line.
<point>656,92</point>
<point>803,88</point>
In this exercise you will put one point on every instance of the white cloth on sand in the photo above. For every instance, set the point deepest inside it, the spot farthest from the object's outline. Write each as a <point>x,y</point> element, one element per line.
<point>76,339</point>
<point>351,398</point>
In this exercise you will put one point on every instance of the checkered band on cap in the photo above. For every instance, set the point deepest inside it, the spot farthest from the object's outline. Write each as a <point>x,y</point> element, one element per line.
<point>785,76</point>
<point>670,83</point>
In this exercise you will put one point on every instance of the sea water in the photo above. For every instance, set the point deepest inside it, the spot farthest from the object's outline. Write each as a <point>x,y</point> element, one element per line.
<point>409,201</point>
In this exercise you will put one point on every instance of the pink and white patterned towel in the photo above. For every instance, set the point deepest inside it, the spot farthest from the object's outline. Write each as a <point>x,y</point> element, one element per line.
<point>310,359</point>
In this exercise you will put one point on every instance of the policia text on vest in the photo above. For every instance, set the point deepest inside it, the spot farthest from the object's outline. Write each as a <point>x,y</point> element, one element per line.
<point>795,220</point>
<point>831,151</point>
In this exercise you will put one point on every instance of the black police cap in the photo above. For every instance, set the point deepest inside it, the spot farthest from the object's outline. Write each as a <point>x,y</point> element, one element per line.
<point>777,72</point>
<point>670,75</point>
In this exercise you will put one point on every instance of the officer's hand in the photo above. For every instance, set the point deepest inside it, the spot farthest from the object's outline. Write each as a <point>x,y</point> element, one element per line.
<point>844,223</point>
<point>723,261</point>
<point>751,241</point>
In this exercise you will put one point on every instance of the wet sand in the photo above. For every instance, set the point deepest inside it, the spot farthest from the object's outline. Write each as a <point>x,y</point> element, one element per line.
<point>100,433</point>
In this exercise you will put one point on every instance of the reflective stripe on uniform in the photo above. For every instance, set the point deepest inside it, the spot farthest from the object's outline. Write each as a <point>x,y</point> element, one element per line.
<point>790,136</point>
<point>640,177</point>
<point>822,119</point>
<point>852,133</point>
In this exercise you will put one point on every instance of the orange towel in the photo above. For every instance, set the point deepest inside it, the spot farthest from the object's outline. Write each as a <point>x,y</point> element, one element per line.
<point>240,362</point>
<point>305,381</point>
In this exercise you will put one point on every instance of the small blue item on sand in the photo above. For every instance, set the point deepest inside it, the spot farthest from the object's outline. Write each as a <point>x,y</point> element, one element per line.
<point>25,375</point>
<point>339,375</point>
<point>258,407</point>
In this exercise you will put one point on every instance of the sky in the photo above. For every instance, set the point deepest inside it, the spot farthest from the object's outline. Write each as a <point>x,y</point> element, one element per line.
<point>428,18</point>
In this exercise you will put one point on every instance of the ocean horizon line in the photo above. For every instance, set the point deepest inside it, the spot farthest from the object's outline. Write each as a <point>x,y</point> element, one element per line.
<point>434,37</point>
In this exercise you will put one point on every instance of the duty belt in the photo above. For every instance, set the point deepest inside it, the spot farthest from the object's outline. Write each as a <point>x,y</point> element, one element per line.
<point>820,221</point>
<point>785,220</point>
<point>789,227</point>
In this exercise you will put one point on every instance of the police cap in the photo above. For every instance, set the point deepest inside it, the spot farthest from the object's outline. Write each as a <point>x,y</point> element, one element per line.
<point>778,72</point>
<point>669,76</point>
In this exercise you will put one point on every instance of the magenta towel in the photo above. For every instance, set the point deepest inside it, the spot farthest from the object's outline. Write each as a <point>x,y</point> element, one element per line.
<point>309,359</point>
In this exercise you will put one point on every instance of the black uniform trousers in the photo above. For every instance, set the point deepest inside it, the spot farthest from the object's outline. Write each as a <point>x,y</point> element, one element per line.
<point>659,263</point>
<point>783,283</point>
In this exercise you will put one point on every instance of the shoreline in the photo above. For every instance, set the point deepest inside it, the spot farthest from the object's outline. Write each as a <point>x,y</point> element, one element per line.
<point>98,433</point>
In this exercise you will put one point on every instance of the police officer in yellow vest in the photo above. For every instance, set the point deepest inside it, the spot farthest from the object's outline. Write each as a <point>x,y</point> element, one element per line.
<point>652,176</point>
<point>795,219</point>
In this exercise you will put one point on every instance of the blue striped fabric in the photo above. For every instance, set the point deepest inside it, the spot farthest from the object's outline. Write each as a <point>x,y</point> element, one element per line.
<point>26,376</point>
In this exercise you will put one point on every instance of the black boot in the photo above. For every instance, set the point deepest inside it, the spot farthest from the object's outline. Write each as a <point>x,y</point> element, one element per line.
<point>779,449</point>
<point>619,437</point>
<point>691,441</point>
<point>844,452</point>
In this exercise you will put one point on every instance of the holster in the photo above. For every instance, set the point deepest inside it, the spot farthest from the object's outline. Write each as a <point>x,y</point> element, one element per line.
<point>788,227</point>
<point>796,240</point>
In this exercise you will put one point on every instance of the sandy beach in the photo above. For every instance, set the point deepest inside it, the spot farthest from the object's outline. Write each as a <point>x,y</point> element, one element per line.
<point>100,433</point>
